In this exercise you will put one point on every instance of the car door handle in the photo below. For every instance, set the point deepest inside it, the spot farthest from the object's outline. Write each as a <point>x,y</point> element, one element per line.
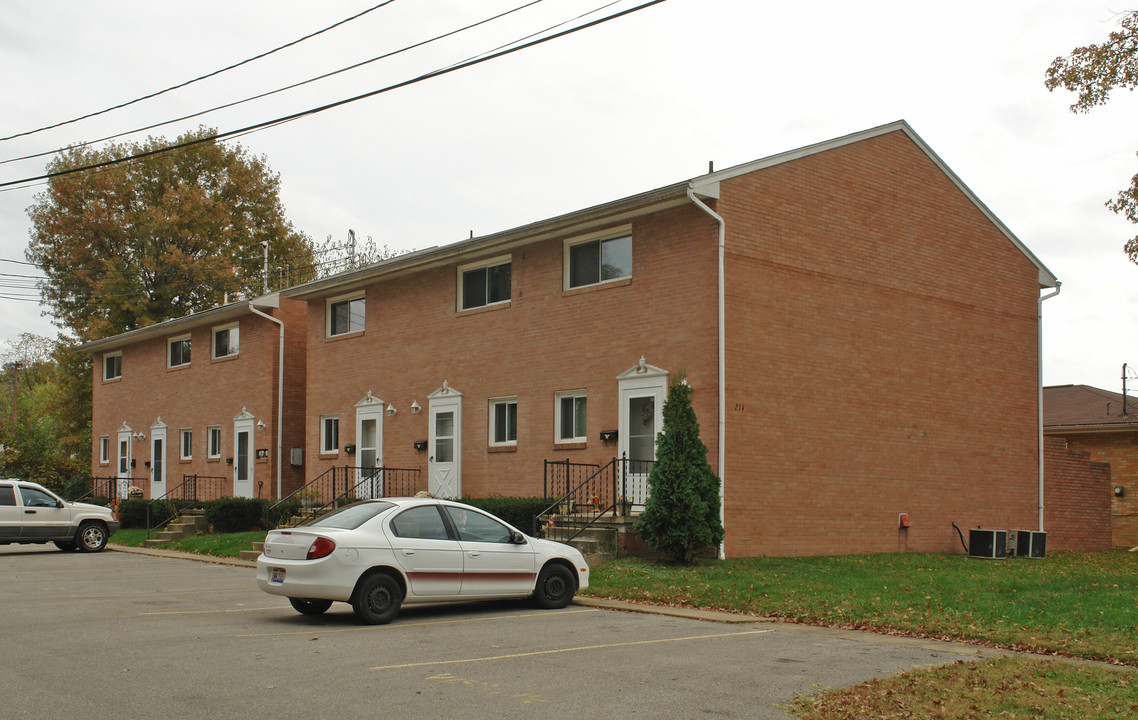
<point>475,554</point>
<point>408,552</point>
<point>29,512</point>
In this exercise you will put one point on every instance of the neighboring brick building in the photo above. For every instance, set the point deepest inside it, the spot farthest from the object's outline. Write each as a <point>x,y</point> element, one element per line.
<point>876,351</point>
<point>198,395</point>
<point>1103,424</point>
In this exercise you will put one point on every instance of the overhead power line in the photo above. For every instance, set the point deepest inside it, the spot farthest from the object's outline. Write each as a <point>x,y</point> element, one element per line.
<point>313,111</point>
<point>197,79</point>
<point>259,96</point>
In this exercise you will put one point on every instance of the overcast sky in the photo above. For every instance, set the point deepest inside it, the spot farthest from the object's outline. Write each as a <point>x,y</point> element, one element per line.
<point>634,104</point>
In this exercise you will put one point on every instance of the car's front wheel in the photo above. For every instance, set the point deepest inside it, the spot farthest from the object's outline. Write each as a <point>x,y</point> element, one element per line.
<point>555,587</point>
<point>304,606</point>
<point>377,599</point>
<point>92,537</point>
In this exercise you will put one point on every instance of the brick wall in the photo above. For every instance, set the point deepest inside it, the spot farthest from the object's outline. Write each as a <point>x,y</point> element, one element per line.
<point>205,393</point>
<point>1120,450</point>
<point>1076,498</point>
<point>881,358</point>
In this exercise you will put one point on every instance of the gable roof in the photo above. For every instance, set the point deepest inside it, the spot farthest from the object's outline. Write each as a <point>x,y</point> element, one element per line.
<point>1085,408</point>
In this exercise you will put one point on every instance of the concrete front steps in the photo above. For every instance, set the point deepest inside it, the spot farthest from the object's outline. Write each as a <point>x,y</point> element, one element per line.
<point>252,555</point>
<point>599,542</point>
<point>188,524</point>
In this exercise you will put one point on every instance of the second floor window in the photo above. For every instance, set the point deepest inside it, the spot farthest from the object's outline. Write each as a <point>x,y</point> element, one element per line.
<point>597,261</point>
<point>345,315</point>
<point>330,434</point>
<point>187,443</point>
<point>226,341</point>
<point>486,285</point>
<point>213,436</point>
<point>112,366</point>
<point>180,351</point>
<point>504,421</point>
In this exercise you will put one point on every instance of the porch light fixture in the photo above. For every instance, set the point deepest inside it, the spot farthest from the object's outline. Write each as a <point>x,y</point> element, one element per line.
<point>391,409</point>
<point>1119,490</point>
<point>420,444</point>
<point>140,435</point>
<point>416,408</point>
<point>608,435</point>
<point>261,425</point>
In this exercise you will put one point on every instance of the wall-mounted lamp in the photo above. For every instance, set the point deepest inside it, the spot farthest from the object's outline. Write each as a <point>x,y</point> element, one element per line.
<point>1119,490</point>
<point>228,461</point>
<point>608,435</point>
<point>420,444</point>
<point>140,435</point>
<point>416,408</point>
<point>147,463</point>
<point>391,410</point>
<point>260,424</point>
<point>350,449</point>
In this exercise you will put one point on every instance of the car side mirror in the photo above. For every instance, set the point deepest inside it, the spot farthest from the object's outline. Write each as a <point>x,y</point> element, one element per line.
<point>59,503</point>
<point>517,538</point>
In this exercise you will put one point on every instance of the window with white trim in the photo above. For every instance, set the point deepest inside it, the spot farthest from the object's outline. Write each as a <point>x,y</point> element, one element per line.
<point>329,434</point>
<point>504,421</point>
<point>104,449</point>
<point>187,443</point>
<point>112,365</point>
<point>484,283</point>
<point>345,314</point>
<point>594,261</point>
<point>179,351</point>
<point>213,441</point>
<point>226,341</point>
<point>569,424</point>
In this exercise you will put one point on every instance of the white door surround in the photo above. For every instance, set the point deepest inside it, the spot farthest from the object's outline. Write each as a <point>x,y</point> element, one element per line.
<point>157,459</point>
<point>243,454</point>
<point>444,461</point>
<point>123,469</point>
<point>369,446</point>
<point>642,391</point>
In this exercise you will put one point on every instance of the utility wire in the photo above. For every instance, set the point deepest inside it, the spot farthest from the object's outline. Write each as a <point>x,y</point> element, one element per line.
<point>203,77</point>
<point>313,111</point>
<point>280,89</point>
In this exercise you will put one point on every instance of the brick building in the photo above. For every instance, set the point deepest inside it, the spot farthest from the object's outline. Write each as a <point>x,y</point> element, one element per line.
<point>203,395</point>
<point>1104,426</point>
<point>861,333</point>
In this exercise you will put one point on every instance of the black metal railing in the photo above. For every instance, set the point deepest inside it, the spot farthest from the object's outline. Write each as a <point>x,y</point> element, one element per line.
<point>589,492</point>
<point>194,490</point>
<point>113,489</point>
<point>341,485</point>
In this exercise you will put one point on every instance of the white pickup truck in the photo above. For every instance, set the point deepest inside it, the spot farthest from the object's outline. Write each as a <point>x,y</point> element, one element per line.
<point>30,513</point>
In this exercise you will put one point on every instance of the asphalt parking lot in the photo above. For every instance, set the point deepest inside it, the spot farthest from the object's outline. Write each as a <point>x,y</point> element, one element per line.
<point>135,636</point>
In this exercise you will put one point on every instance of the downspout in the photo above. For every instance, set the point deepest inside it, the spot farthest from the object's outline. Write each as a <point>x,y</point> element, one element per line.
<point>280,392</point>
<point>722,419</point>
<point>1039,377</point>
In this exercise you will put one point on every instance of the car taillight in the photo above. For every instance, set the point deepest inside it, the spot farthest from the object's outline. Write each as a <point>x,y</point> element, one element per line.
<point>320,547</point>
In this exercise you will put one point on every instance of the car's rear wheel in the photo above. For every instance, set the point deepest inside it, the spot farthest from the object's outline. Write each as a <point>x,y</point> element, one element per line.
<point>305,606</point>
<point>377,599</point>
<point>66,545</point>
<point>555,587</point>
<point>92,537</point>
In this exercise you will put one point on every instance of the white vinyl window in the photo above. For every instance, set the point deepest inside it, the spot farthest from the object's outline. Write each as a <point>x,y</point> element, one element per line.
<point>595,260</point>
<point>213,438</point>
<point>504,421</point>
<point>484,283</point>
<point>569,423</point>
<point>104,449</point>
<point>187,443</point>
<point>112,366</point>
<point>226,341</point>
<point>179,354</point>
<point>345,314</point>
<point>329,434</point>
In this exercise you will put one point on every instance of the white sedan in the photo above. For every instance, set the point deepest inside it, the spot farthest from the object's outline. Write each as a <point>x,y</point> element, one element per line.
<point>379,554</point>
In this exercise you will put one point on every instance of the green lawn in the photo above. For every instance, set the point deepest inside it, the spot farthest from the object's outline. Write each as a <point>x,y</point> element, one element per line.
<point>1079,604</point>
<point>221,545</point>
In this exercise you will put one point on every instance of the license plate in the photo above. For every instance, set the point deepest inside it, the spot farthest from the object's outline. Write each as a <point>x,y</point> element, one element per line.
<point>276,575</point>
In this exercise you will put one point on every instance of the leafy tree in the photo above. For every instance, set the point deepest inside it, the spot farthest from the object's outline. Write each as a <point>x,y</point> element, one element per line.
<point>333,257</point>
<point>143,241</point>
<point>1093,72</point>
<point>681,517</point>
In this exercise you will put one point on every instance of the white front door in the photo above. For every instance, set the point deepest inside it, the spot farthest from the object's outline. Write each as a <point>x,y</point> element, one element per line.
<point>158,459</point>
<point>369,447</point>
<point>243,455</point>
<point>643,390</point>
<point>444,461</point>
<point>123,469</point>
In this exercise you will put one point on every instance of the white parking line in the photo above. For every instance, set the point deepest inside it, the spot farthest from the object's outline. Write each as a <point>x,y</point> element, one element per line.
<point>571,649</point>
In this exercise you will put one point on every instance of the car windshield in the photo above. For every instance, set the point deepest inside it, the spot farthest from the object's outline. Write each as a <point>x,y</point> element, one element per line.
<point>351,517</point>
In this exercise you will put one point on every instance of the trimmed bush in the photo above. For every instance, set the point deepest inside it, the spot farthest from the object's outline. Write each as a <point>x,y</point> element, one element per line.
<point>229,515</point>
<point>517,511</point>
<point>132,513</point>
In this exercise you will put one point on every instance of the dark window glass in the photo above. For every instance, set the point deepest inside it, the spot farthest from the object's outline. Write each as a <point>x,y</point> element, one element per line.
<point>485,285</point>
<point>351,517</point>
<point>476,527</point>
<point>112,367</point>
<point>7,495</point>
<point>420,522</point>
<point>180,352</point>
<point>346,316</point>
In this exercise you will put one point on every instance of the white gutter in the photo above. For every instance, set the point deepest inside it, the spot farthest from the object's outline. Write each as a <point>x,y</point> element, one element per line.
<point>722,420</point>
<point>1039,359</point>
<point>280,392</point>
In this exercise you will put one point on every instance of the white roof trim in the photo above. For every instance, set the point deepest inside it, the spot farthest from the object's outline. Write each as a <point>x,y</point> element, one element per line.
<point>710,182</point>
